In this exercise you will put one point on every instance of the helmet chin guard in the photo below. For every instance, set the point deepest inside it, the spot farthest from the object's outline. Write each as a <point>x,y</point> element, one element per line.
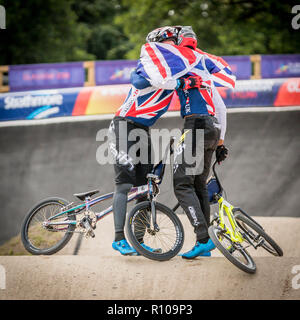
<point>187,37</point>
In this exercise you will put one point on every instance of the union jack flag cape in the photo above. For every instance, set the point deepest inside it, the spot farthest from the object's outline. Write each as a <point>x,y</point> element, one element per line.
<point>161,63</point>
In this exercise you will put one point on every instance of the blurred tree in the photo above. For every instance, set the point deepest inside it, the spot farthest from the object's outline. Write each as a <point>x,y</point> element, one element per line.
<point>69,30</point>
<point>107,41</point>
<point>224,27</point>
<point>42,31</point>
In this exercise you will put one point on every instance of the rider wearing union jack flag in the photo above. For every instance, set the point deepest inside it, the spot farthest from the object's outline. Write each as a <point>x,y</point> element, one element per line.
<point>159,72</point>
<point>201,109</point>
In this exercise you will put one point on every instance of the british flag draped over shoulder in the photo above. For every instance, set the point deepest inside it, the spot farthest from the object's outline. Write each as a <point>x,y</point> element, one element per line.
<point>161,64</point>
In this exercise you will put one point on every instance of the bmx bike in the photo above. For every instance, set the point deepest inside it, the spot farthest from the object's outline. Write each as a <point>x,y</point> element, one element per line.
<point>50,224</point>
<point>232,230</point>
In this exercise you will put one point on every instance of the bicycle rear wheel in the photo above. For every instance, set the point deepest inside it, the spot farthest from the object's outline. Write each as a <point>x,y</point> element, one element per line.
<point>40,240</point>
<point>166,242</point>
<point>257,235</point>
<point>235,253</point>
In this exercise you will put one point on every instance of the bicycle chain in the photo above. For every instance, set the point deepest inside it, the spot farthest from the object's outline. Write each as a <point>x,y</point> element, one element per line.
<point>87,214</point>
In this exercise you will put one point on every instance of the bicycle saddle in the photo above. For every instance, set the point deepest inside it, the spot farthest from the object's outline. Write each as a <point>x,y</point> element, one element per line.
<point>83,195</point>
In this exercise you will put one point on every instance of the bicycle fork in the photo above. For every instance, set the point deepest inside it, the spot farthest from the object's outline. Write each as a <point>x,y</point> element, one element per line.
<point>152,194</point>
<point>153,215</point>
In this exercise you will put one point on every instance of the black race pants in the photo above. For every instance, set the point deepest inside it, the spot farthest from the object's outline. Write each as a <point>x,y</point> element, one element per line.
<point>128,169</point>
<point>190,189</point>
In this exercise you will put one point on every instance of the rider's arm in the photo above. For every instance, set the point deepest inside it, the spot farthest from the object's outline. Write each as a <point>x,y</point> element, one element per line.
<point>167,85</point>
<point>184,83</point>
<point>221,114</point>
<point>138,81</point>
<point>141,82</point>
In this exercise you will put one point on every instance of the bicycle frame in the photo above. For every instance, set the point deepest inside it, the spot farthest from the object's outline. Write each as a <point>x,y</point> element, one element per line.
<point>135,192</point>
<point>151,189</point>
<point>225,206</point>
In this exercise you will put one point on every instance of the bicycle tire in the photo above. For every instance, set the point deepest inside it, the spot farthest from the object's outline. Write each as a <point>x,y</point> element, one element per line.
<point>30,215</point>
<point>250,267</point>
<point>167,213</point>
<point>277,251</point>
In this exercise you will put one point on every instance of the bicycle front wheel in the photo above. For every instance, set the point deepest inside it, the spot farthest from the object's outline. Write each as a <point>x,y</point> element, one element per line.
<point>258,236</point>
<point>162,244</point>
<point>40,240</point>
<point>235,253</point>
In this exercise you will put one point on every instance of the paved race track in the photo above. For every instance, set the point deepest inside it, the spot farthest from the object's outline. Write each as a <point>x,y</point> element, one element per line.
<point>99,272</point>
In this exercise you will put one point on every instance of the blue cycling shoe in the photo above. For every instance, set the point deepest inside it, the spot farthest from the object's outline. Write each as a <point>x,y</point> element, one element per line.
<point>124,248</point>
<point>199,249</point>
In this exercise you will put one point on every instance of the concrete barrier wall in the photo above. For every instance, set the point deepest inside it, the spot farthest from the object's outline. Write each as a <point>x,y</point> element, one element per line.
<point>59,159</point>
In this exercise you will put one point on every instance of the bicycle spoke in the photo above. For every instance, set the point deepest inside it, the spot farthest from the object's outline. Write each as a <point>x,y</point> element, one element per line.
<point>256,236</point>
<point>40,237</point>
<point>164,239</point>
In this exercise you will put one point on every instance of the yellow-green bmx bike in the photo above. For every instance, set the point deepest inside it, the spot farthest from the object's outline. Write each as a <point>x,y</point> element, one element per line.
<point>233,231</point>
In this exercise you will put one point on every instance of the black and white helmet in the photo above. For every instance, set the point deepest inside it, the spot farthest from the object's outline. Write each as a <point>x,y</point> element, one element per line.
<point>162,34</point>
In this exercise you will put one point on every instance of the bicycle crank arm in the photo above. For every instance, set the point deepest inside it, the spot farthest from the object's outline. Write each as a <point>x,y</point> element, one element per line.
<point>89,230</point>
<point>249,240</point>
<point>261,242</point>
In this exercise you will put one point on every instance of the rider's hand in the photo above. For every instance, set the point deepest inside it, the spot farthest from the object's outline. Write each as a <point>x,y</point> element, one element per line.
<point>189,83</point>
<point>221,141</point>
<point>221,153</point>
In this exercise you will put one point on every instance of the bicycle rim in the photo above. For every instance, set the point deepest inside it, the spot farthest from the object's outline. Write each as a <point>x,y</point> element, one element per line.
<point>166,242</point>
<point>235,253</point>
<point>257,235</point>
<point>40,240</point>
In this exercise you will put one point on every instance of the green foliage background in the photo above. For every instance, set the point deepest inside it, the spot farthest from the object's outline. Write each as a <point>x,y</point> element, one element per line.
<point>41,31</point>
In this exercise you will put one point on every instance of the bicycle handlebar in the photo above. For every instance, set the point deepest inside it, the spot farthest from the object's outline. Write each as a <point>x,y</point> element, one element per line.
<point>215,175</point>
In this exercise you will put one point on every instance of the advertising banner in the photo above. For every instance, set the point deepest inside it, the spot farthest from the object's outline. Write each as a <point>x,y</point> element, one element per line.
<point>258,93</point>
<point>70,75</point>
<point>118,71</point>
<point>240,66</point>
<point>114,71</point>
<point>280,66</point>
<point>37,104</point>
<point>45,76</point>
<point>251,93</point>
<point>107,99</point>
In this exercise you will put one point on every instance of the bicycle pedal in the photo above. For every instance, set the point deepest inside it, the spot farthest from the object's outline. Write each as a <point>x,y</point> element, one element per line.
<point>88,226</point>
<point>89,233</point>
